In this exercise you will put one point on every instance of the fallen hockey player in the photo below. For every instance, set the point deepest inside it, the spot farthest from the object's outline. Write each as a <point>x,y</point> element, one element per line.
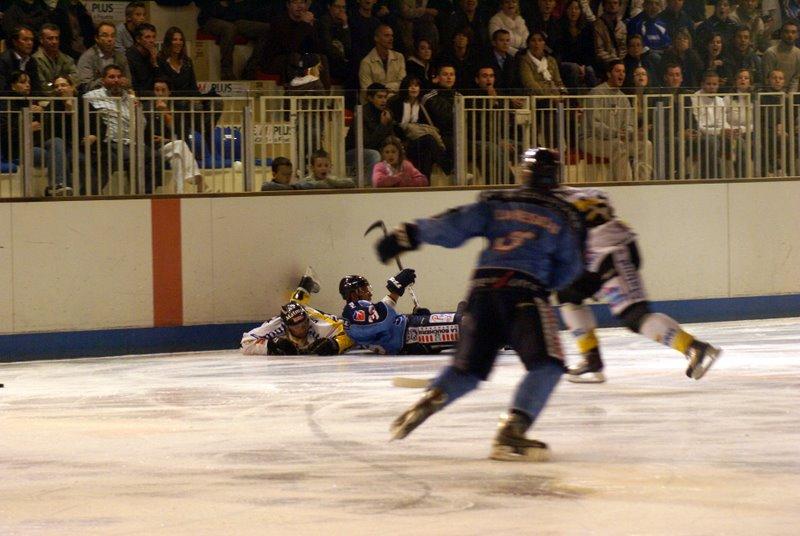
<point>379,327</point>
<point>298,329</point>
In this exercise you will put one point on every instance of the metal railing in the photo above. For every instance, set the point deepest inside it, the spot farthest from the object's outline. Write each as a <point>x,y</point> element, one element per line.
<point>124,145</point>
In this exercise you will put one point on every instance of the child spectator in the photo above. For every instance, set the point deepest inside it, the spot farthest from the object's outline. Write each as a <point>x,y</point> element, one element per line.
<point>282,175</point>
<point>320,176</point>
<point>135,14</point>
<point>394,170</point>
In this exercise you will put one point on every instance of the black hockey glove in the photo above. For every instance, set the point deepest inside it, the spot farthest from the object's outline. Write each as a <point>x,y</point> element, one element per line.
<point>323,347</point>
<point>397,284</point>
<point>403,238</point>
<point>281,346</point>
<point>587,285</point>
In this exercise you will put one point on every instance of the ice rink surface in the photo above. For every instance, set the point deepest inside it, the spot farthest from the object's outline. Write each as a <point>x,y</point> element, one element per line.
<point>218,443</point>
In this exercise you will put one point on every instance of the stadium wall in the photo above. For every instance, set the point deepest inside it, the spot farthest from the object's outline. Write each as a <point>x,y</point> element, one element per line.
<point>101,277</point>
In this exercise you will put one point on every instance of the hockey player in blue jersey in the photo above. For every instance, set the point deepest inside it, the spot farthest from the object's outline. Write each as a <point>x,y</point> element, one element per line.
<point>378,326</point>
<point>534,246</point>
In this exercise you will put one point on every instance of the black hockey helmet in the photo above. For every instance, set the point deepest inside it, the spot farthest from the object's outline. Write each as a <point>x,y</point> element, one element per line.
<point>350,283</point>
<point>541,167</point>
<point>293,313</point>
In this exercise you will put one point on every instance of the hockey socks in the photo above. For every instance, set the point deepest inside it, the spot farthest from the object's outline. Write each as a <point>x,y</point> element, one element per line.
<point>665,330</point>
<point>455,382</point>
<point>536,387</point>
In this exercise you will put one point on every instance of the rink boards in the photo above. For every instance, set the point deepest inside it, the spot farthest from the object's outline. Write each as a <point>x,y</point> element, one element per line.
<point>175,274</point>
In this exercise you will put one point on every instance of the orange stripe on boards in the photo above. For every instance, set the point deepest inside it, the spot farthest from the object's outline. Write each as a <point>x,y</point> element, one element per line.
<point>167,269</point>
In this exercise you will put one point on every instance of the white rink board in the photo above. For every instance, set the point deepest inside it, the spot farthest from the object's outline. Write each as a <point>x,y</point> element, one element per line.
<point>217,443</point>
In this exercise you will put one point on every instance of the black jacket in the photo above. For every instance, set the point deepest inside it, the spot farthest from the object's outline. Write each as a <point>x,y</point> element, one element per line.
<point>9,63</point>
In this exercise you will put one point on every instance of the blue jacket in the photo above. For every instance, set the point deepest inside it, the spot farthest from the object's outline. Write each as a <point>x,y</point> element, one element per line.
<point>377,326</point>
<point>654,32</point>
<point>528,231</point>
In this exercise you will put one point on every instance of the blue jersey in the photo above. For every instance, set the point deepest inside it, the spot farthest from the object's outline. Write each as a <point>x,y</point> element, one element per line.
<point>528,231</point>
<point>375,325</point>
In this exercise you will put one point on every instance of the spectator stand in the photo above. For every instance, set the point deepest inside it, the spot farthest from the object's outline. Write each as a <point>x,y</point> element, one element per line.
<point>296,126</point>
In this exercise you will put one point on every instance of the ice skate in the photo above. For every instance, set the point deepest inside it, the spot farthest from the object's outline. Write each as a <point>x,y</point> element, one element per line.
<point>511,445</point>
<point>701,356</point>
<point>589,370</point>
<point>431,402</point>
<point>308,285</point>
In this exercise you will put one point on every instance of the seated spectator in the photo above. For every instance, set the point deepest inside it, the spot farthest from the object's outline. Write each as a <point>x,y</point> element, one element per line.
<point>610,35</point>
<point>637,56</point>
<point>575,48</point>
<point>748,14</point>
<point>337,43</point>
<point>439,106</point>
<point>168,142</point>
<point>716,59</point>
<point>742,55</point>
<point>112,102</point>
<point>504,64</point>
<point>394,170</point>
<point>174,64</point>
<point>673,101</point>
<point>423,148</point>
<point>304,71</point>
<point>739,110</point>
<point>651,28</point>
<point>135,14</point>
<point>382,65</point>
<point>18,57</point>
<point>462,55</point>
<point>51,62</point>
<point>546,21</point>
<point>467,14</point>
<point>31,14</point>
<point>784,56</point>
<point>282,175</point>
<point>419,64</point>
<point>417,21</point>
<point>143,59</point>
<point>295,31</point>
<point>77,28</point>
<point>377,125</point>
<point>612,130</point>
<point>681,53</point>
<point>102,54</point>
<point>538,71</point>
<point>363,25</point>
<point>774,124</point>
<point>719,23</point>
<point>228,19</point>
<point>715,134</point>
<point>320,174</point>
<point>48,151</point>
<point>509,19</point>
<point>676,18</point>
<point>68,106</point>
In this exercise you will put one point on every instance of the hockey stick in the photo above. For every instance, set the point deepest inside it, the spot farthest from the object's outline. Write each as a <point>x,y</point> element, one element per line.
<point>382,225</point>
<point>412,383</point>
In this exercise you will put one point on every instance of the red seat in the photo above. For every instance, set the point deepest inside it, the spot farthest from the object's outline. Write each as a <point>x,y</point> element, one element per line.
<point>348,117</point>
<point>261,75</point>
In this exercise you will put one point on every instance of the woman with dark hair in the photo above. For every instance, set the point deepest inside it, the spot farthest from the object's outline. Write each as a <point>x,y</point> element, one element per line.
<point>680,52</point>
<point>406,107</point>
<point>715,59</point>
<point>575,48</point>
<point>174,64</point>
<point>419,64</point>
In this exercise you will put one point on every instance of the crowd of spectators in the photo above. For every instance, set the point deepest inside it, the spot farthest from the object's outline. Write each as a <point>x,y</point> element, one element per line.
<point>405,59</point>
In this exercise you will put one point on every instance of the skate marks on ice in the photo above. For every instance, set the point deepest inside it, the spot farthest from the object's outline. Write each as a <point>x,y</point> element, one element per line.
<point>217,442</point>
